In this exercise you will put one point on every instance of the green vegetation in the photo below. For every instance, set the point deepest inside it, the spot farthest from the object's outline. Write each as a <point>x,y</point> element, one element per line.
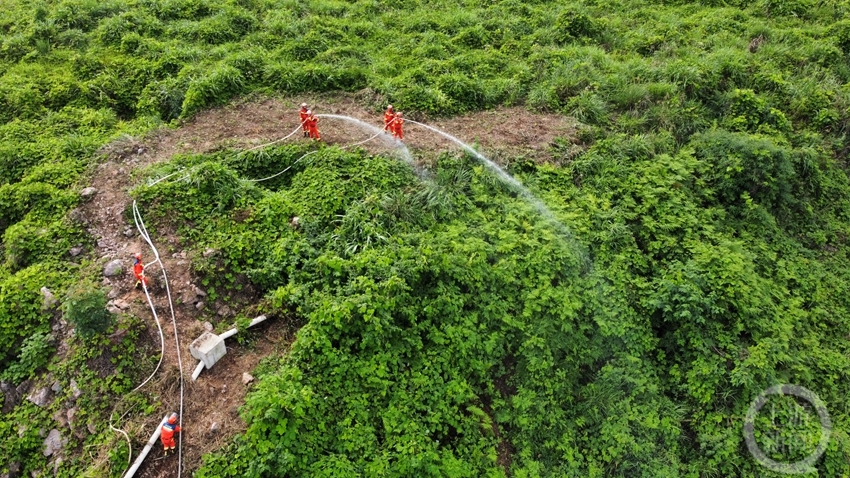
<point>447,330</point>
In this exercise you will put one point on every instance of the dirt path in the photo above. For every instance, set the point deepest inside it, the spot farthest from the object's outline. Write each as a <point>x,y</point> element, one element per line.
<point>218,393</point>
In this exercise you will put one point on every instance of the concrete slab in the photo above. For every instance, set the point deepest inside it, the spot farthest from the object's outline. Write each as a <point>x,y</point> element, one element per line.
<point>208,348</point>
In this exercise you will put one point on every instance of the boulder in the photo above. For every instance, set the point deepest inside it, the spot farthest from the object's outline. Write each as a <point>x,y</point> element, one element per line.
<point>88,193</point>
<point>40,397</point>
<point>113,268</point>
<point>247,378</point>
<point>224,311</point>
<point>49,300</point>
<point>75,251</point>
<point>52,443</point>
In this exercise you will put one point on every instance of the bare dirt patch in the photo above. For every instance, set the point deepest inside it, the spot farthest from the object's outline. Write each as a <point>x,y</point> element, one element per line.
<point>216,396</point>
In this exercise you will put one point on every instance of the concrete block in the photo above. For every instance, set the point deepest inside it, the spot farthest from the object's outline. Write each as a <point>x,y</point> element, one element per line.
<point>208,348</point>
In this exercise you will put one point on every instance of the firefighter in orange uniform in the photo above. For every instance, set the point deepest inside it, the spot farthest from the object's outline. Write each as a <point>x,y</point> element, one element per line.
<point>303,113</point>
<point>396,127</point>
<point>169,428</point>
<point>389,117</point>
<point>139,270</point>
<point>312,126</point>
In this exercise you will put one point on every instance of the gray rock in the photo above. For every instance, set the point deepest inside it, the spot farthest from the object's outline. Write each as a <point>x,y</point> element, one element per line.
<point>91,428</point>
<point>52,443</point>
<point>40,397</point>
<point>129,232</point>
<point>14,470</point>
<point>49,300</point>
<point>224,311</point>
<point>77,216</point>
<point>56,387</point>
<point>247,378</point>
<point>188,297</point>
<point>59,416</point>
<point>88,192</point>
<point>113,269</point>
<point>209,252</point>
<point>198,291</point>
<point>208,326</point>
<point>214,427</point>
<point>121,304</point>
<point>75,251</point>
<point>199,305</point>
<point>113,293</point>
<point>72,414</point>
<point>74,389</point>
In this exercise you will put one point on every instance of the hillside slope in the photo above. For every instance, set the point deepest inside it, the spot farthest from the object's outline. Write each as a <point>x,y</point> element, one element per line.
<point>447,328</point>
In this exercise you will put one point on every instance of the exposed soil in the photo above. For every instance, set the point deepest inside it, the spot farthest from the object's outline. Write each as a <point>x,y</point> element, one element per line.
<point>218,393</point>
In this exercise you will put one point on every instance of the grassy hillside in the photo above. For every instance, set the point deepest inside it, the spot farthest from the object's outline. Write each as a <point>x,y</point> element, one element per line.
<point>448,330</point>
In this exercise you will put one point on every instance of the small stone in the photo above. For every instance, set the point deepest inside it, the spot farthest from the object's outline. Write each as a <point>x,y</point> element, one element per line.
<point>113,269</point>
<point>247,378</point>
<point>40,397</point>
<point>179,255</point>
<point>199,305</point>
<point>87,193</point>
<point>198,291</point>
<point>113,293</point>
<point>188,297</point>
<point>208,326</point>
<point>49,299</point>
<point>224,311</point>
<point>214,427</point>
<point>59,416</point>
<point>56,387</point>
<point>209,252</point>
<point>129,232</point>
<point>140,150</point>
<point>52,443</point>
<point>74,389</point>
<point>121,304</point>
<point>91,428</point>
<point>72,413</point>
<point>75,251</point>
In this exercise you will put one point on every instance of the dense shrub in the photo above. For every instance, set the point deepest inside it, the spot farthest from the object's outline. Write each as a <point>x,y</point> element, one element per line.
<point>84,306</point>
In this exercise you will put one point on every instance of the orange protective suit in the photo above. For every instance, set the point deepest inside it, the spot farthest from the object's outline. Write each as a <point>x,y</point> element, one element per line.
<point>396,127</point>
<point>312,127</point>
<point>139,272</point>
<point>167,435</point>
<point>302,113</point>
<point>389,117</point>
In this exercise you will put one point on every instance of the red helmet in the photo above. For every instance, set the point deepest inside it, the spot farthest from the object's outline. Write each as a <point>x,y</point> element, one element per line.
<point>173,418</point>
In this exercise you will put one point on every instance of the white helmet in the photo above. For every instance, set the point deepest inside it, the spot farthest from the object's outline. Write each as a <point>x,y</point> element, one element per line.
<point>303,105</point>
<point>389,107</point>
<point>309,112</point>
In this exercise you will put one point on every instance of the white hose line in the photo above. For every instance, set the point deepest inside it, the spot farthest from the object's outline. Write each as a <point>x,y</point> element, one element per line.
<point>153,310</point>
<point>285,170</point>
<point>275,141</point>
<point>146,236</point>
<point>164,178</point>
<point>311,152</point>
<point>129,446</point>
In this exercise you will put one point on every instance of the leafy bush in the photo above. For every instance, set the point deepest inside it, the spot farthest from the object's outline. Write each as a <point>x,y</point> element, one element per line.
<point>84,306</point>
<point>35,352</point>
